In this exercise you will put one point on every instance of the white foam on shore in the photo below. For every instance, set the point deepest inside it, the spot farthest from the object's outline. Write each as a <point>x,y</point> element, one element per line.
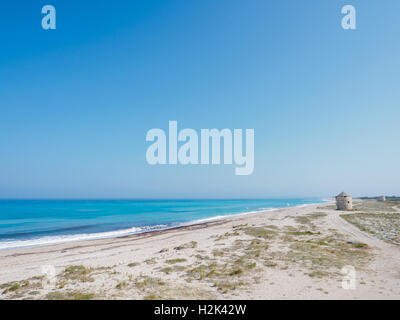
<point>217,218</point>
<point>49,240</point>
<point>42,241</point>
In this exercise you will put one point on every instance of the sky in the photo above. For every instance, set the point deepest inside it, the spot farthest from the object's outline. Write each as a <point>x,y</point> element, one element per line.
<point>76,102</point>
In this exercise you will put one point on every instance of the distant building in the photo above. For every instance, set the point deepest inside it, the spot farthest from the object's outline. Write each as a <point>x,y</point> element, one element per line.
<point>344,202</point>
<point>382,198</point>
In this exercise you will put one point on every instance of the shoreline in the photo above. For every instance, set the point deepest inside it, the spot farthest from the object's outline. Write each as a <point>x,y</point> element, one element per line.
<point>288,253</point>
<point>120,233</point>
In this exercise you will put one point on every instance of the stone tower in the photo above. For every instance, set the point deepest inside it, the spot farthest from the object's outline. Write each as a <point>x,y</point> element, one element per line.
<point>344,202</point>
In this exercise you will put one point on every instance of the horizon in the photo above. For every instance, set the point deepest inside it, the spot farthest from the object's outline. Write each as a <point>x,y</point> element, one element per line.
<point>323,198</point>
<point>161,199</point>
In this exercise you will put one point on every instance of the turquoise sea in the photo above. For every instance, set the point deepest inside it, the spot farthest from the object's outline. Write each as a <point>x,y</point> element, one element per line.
<point>25,223</point>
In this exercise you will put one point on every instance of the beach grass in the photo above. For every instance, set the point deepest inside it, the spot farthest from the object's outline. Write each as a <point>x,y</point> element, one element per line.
<point>231,261</point>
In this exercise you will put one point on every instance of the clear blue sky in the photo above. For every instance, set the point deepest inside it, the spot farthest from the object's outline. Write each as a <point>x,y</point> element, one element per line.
<point>76,102</point>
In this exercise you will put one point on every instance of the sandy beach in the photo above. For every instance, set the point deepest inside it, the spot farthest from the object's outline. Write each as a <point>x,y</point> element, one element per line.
<point>291,253</point>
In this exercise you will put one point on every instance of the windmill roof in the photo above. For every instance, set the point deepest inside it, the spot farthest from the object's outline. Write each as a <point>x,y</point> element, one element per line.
<point>343,194</point>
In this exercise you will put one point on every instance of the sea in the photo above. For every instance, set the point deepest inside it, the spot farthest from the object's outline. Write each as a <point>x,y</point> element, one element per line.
<point>28,223</point>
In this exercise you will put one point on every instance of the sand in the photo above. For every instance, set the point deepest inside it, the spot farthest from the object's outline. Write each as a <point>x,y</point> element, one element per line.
<point>291,253</point>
